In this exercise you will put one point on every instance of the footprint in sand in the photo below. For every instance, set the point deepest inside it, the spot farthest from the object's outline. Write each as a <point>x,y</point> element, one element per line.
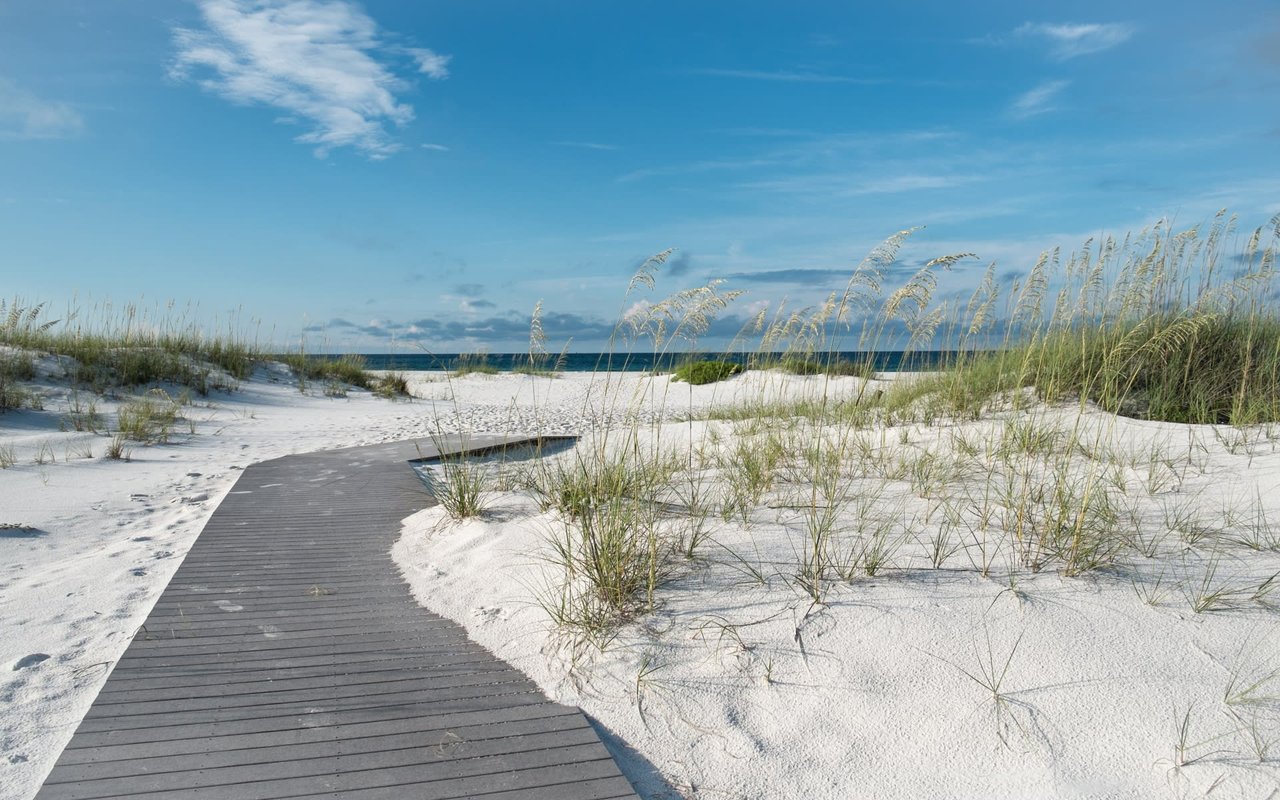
<point>490,614</point>
<point>30,661</point>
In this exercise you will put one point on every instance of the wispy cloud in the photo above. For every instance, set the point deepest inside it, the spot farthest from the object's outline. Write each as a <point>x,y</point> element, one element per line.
<point>430,63</point>
<point>787,76</point>
<point>25,116</point>
<point>587,145</point>
<point>1069,40</point>
<point>844,185</point>
<point>696,166</point>
<point>321,61</point>
<point>432,146</point>
<point>1037,101</point>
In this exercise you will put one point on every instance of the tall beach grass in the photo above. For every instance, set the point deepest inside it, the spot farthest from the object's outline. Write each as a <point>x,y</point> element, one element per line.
<point>981,464</point>
<point>106,346</point>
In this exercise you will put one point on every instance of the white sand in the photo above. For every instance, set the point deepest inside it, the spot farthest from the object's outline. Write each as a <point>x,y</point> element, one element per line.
<point>712,690</point>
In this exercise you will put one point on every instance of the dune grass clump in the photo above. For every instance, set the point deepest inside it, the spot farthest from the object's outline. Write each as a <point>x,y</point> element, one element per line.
<point>698,373</point>
<point>815,364</point>
<point>340,371</point>
<point>463,488</point>
<point>130,347</point>
<point>15,368</point>
<point>472,364</point>
<point>392,385</point>
<point>1162,326</point>
<point>612,543</point>
<point>149,419</point>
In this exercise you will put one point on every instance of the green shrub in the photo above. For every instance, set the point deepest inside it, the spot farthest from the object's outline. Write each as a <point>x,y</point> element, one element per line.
<point>697,373</point>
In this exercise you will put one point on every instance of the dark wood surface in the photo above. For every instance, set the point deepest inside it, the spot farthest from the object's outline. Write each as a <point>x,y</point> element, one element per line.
<point>287,658</point>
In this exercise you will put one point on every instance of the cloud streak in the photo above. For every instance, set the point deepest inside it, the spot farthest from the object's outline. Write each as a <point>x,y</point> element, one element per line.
<point>587,145</point>
<point>1037,101</point>
<point>323,62</point>
<point>1070,40</point>
<point>787,76</point>
<point>842,185</point>
<point>25,116</point>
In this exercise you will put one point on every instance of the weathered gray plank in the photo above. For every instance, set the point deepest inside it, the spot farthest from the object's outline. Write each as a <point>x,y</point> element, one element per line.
<point>432,780</point>
<point>450,757</point>
<point>250,745</point>
<point>497,703</point>
<point>446,740</point>
<point>287,659</point>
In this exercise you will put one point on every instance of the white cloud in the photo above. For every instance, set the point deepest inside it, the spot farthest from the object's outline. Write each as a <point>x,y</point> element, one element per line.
<point>1037,101</point>
<point>637,310</point>
<point>432,146</point>
<point>1068,40</point>
<point>430,63</point>
<point>25,116</point>
<point>320,61</point>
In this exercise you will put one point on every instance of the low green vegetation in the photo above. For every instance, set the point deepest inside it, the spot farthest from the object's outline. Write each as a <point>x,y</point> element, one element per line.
<point>1154,327</point>
<point>462,487</point>
<point>392,385</point>
<point>128,347</point>
<point>149,419</point>
<point>472,364</point>
<point>137,369</point>
<point>335,372</point>
<point>815,364</point>
<point>15,369</point>
<point>538,369</point>
<point>697,373</point>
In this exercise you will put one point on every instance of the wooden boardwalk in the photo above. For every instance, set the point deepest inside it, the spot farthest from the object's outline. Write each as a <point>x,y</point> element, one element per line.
<point>287,658</point>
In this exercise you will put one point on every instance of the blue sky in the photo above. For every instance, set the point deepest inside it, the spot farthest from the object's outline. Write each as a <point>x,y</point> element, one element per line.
<point>387,174</point>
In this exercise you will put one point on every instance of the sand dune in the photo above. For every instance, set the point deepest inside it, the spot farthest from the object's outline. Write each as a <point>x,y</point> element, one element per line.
<point>736,684</point>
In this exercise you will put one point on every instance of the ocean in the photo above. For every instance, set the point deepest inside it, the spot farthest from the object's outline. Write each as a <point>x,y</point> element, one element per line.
<point>883,361</point>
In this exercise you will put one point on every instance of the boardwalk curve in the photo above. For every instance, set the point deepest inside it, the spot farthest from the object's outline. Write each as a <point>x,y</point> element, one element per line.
<point>287,658</point>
